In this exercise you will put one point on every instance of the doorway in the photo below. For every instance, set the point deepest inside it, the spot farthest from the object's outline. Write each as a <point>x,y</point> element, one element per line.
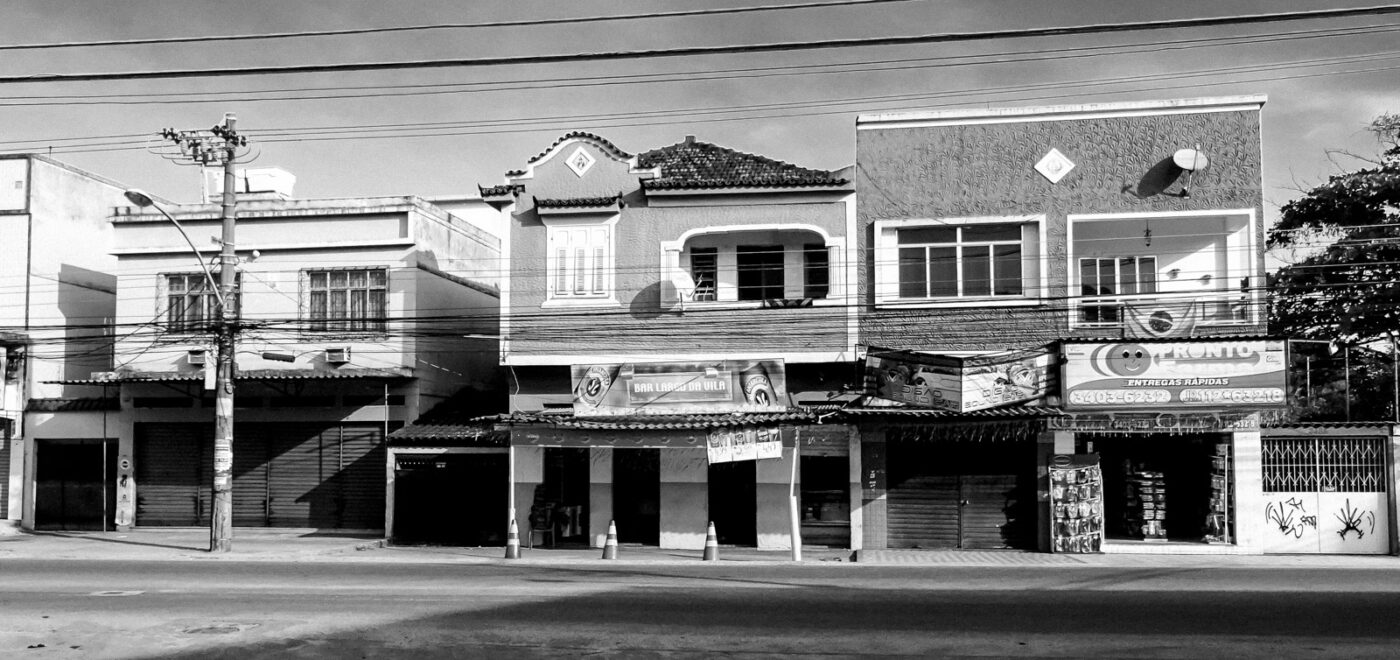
<point>637,495</point>
<point>566,486</point>
<point>734,502</point>
<point>75,485</point>
<point>450,499</point>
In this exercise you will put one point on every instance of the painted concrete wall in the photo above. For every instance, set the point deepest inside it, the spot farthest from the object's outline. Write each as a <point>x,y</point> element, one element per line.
<point>600,494</point>
<point>528,472</point>
<point>987,169</point>
<point>1250,524</point>
<point>685,498</point>
<point>774,511</point>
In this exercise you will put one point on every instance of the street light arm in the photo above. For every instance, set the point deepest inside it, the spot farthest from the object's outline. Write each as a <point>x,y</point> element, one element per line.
<point>143,200</point>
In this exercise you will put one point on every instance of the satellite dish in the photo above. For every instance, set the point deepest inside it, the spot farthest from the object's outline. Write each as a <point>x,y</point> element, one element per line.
<point>1190,160</point>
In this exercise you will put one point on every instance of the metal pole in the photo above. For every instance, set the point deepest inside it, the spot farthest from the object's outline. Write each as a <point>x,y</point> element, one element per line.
<point>1394,381</point>
<point>1346,376</point>
<point>795,516</point>
<point>221,520</point>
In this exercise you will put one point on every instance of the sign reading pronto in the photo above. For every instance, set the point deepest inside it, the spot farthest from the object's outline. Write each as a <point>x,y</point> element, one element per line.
<point>1174,375</point>
<point>745,443</point>
<point>668,388</point>
<point>961,384</point>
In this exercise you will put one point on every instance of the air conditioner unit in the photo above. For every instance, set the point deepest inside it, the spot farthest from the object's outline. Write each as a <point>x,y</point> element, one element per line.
<point>196,358</point>
<point>337,355</point>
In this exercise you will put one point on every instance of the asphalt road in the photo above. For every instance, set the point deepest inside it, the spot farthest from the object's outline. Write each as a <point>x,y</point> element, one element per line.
<point>72,609</point>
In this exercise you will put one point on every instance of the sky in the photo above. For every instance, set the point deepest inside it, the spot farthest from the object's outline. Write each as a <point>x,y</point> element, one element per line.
<point>443,131</point>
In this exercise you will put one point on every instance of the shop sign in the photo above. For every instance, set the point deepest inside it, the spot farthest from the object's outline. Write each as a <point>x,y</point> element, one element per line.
<point>746,443</point>
<point>668,388</point>
<point>1146,423</point>
<point>1156,375</point>
<point>960,384</point>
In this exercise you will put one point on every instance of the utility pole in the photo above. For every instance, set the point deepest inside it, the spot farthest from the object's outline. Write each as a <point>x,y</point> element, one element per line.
<point>220,145</point>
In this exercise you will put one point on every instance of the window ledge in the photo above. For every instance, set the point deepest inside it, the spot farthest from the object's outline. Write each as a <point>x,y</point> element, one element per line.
<point>557,303</point>
<point>755,304</point>
<point>896,303</point>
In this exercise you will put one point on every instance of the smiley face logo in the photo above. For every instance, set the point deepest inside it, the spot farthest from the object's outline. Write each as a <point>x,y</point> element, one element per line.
<point>1128,359</point>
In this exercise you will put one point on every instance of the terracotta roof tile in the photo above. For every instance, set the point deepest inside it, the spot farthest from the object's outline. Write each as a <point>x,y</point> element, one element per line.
<point>577,202</point>
<point>699,165</point>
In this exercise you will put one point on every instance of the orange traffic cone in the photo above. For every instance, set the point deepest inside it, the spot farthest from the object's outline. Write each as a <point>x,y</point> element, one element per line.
<point>513,542</point>
<point>711,544</point>
<point>610,546</point>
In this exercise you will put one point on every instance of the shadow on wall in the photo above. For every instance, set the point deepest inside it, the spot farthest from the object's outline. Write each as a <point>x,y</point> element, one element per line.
<point>647,303</point>
<point>1156,181</point>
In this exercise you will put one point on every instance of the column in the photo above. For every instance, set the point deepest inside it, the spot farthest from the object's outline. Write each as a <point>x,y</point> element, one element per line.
<point>1249,490</point>
<point>600,494</point>
<point>685,504</point>
<point>771,495</point>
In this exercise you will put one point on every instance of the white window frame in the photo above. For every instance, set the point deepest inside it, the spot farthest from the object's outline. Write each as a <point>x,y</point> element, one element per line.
<point>1240,243</point>
<point>1033,270</point>
<point>675,256</point>
<point>587,274</point>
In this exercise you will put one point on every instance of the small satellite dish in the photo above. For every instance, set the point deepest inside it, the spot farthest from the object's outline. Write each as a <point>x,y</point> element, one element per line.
<point>1191,160</point>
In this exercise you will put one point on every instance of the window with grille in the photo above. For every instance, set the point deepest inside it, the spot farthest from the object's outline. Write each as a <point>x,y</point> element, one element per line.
<point>704,271</point>
<point>816,266</point>
<point>760,271</point>
<point>349,300</point>
<point>1328,465</point>
<point>191,303</point>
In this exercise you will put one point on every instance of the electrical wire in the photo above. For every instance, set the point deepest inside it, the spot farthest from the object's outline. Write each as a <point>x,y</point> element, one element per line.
<point>825,44</point>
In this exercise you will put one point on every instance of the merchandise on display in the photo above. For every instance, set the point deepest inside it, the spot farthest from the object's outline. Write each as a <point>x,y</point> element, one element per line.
<point>1076,497</point>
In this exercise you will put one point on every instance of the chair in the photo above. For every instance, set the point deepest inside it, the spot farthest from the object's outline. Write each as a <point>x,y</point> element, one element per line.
<point>542,523</point>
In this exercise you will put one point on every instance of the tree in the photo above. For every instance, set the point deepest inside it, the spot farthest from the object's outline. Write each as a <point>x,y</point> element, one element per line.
<point>1347,287</point>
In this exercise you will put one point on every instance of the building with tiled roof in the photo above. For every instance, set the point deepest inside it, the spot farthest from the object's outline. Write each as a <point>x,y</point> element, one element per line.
<point>690,263</point>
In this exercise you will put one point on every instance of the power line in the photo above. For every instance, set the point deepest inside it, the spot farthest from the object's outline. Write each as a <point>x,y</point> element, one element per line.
<point>446,26</point>
<point>1077,30</point>
<point>865,66</point>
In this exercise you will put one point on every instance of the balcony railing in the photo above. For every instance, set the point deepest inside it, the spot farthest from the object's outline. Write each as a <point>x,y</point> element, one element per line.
<point>1212,308</point>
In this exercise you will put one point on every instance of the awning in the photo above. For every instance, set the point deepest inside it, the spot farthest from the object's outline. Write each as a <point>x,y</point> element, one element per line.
<point>118,377</point>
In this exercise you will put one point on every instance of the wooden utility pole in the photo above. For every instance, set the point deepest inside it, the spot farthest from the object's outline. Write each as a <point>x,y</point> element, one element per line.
<point>220,145</point>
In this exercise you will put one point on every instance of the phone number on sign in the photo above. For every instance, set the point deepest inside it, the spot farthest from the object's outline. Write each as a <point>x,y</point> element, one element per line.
<point>1241,395</point>
<point>1119,397</point>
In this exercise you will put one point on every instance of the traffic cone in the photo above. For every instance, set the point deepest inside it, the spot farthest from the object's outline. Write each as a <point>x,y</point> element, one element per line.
<point>610,546</point>
<point>513,542</point>
<point>711,544</point>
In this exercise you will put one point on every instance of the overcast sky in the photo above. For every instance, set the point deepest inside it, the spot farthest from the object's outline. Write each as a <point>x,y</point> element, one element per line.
<point>1322,90</point>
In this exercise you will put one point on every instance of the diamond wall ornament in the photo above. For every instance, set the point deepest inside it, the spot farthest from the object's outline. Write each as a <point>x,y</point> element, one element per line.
<point>580,161</point>
<point>1054,166</point>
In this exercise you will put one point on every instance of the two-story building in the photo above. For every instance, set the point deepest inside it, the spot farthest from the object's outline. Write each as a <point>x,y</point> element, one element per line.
<point>354,315</point>
<point>1057,281</point>
<point>57,300</point>
<point>662,306</point>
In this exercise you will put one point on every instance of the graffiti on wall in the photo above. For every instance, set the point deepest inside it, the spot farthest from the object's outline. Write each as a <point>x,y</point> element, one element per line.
<point>1290,517</point>
<point>1353,519</point>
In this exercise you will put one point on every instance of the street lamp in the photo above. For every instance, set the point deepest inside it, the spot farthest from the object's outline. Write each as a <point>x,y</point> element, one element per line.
<point>140,198</point>
<point>221,514</point>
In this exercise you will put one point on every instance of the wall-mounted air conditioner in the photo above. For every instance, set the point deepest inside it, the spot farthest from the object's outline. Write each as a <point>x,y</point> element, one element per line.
<point>196,358</point>
<point>337,355</point>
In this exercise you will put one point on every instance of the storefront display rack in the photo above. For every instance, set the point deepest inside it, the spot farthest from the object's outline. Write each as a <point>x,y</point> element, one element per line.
<point>1076,502</point>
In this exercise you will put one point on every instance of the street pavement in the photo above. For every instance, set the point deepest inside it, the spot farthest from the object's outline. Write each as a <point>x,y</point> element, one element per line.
<point>308,545</point>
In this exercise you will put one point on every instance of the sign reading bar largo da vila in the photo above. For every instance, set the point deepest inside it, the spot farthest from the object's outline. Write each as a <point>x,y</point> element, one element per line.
<point>1174,375</point>
<point>668,388</point>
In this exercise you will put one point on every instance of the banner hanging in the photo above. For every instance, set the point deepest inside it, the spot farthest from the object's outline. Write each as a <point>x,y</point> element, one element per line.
<point>669,388</point>
<point>961,384</point>
<point>746,443</point>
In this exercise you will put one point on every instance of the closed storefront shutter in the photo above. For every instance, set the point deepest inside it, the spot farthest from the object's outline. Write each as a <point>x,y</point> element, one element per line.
<point>249,479</point>
<point>969,495</point>
<point>173,470</point>
<point>923,513</point>
<point>359,455</point>
<point>295,478</point>
<point>5,443</point>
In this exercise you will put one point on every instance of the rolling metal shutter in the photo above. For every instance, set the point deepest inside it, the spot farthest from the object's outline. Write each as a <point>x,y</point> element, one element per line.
<point>994,515</point>
<point>5,443</point>
<point>249,477</point>
<point>296,490</point>
<point>173,467</point>
<point>360,458</point>
<point>923,513</point>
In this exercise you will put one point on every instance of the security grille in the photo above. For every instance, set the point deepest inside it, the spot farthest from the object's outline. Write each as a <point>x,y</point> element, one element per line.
<point>1333,465</point>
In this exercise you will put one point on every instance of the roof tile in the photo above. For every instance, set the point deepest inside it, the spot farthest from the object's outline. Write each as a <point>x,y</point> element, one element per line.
<point>699,165</point>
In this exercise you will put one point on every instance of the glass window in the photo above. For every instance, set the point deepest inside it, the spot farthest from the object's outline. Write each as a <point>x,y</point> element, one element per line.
<point>962,261</point>
<point>760,271</point>
<point>191,303</point>
<point>347,300</point>
<point>1110,276</point>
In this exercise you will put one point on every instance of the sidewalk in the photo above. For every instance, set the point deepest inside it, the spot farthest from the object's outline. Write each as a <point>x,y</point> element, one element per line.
<point>309,545</point>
